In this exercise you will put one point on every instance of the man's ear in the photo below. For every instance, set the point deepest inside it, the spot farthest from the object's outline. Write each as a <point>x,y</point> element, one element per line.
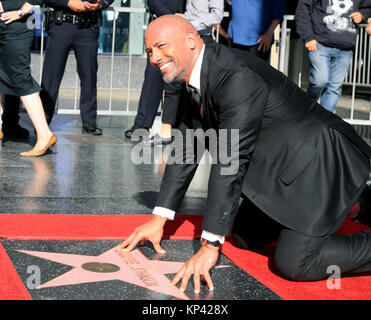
<point>190,39</point>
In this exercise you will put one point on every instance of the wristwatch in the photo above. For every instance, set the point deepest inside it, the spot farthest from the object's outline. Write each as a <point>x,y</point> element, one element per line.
<point>20,12</point>
<point>216,243</point>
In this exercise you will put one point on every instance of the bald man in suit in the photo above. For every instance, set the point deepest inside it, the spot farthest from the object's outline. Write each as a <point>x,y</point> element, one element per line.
<point>299,166</point>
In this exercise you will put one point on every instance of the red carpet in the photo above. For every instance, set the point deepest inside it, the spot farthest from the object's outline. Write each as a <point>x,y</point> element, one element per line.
<point>89,227</point>
<point>184,227</point>
<point>11,285</point>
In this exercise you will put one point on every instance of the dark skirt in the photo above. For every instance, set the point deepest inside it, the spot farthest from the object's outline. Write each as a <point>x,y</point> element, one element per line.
<point>15,58</point>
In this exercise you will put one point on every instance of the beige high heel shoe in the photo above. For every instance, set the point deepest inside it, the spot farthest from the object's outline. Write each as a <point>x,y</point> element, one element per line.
<point>39,152</point>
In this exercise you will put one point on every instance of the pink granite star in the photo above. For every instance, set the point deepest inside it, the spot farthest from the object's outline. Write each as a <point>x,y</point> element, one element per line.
<point>132,267</point>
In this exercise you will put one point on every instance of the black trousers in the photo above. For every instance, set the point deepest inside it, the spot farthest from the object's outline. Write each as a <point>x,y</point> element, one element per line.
<point>253,50</point>
<point>84,42</point>
<point>150,97</point>
<point>11,109</point>
<point>300,257</point>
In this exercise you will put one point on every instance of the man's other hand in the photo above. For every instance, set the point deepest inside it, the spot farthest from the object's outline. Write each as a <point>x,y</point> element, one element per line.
<point>357,17</point>
<point>368,28</point>
<point>311,45</point>
<point>265,42</point>
<point>92,6</point>
<point>151,231</point>
<point>199,265</point>
<point>76,5</point>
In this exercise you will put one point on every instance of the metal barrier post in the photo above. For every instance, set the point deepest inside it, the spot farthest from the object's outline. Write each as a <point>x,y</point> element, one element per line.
<point>354,77</point>
<point>282,58</point>
<point>42,41</point>
<point>112,58</point>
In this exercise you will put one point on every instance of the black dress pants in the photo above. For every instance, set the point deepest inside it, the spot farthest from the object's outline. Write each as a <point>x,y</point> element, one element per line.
<point>253,50</point>
<point>11,109</point>
<point>300,257</point>
<point>84,42</point>
<point>150,97</point>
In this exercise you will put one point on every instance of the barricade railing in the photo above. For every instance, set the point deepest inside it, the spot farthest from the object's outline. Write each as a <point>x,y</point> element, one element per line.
<point>359,73</point>
<point>125,107</point>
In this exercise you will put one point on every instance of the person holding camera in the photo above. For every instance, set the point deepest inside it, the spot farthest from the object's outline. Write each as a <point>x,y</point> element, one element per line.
<point>73,24</point>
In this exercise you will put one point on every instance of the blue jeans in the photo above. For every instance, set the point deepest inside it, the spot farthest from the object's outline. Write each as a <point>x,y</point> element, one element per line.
<point>328,68</point>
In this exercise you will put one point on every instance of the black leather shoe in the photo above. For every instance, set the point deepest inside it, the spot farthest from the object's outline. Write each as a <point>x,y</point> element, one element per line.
<point>141,130</point>
<point>364,213</point>
<point>91,129</point>
<point>157,140</point>
<point>15,131</point>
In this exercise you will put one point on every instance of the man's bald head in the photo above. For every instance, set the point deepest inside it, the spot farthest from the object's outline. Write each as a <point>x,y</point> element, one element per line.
<point>171,23</point>
<point>173,46</point>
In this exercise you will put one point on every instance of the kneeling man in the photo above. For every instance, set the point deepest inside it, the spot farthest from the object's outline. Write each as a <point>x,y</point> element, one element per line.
<point>300,168</point>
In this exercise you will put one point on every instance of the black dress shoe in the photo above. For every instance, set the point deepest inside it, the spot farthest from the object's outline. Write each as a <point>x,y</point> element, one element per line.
<point>91,129</point>
<point>157,140</point>
<point>142,131</point>
<point>15,131</point>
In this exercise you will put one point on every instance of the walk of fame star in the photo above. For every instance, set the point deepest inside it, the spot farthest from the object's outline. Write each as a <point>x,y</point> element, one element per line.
<point>133,267</point>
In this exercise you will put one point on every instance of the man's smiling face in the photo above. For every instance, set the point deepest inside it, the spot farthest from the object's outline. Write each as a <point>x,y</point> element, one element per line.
<point>169,49</point>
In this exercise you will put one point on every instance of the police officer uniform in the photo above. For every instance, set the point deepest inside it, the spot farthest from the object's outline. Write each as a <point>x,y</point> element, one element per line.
<point>68,29</point>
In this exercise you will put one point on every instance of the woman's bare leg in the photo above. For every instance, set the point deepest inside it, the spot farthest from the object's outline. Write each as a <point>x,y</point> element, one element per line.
<point>36,113</point>
<point>165,130</point>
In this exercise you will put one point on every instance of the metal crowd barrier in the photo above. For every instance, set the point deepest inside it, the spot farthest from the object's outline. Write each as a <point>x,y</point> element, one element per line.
<point>126,108</point>
<point>358,76</point>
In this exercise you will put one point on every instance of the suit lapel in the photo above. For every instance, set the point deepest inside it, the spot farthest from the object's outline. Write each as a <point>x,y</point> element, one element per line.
<point>204,83</point>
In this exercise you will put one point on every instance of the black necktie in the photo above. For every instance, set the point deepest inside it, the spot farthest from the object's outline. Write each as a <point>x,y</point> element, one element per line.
<point>196,97</point>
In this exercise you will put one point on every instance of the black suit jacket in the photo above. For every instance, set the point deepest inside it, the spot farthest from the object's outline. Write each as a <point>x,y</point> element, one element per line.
<point>300,164</point>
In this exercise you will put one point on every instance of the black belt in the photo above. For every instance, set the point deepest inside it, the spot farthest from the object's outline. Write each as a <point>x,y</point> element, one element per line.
<point>205,32</point>
<point>85,20</point>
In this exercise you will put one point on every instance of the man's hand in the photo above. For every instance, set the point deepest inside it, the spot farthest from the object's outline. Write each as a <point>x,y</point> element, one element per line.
<point>11,16</point>
<point>357,17</point>
<point>76,5</point>
<point>265,42</point>
<point>199,265</point>
<point>368,28</point>
<point>311,45</point>
<point>151,230</point>
<point>92,6</point>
